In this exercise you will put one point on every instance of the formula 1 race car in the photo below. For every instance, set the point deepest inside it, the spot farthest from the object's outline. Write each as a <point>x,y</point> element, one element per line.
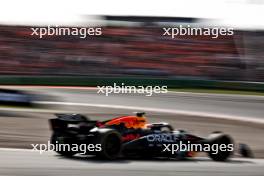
<point>131,136</point>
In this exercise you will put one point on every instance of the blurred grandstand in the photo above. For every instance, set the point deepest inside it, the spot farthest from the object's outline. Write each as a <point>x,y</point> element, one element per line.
<point>134,47</point>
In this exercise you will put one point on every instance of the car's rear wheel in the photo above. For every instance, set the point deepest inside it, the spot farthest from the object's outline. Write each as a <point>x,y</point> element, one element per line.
<point>111,144</point>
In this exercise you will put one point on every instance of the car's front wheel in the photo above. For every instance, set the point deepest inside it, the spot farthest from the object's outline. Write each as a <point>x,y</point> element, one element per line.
<point>216,140</point>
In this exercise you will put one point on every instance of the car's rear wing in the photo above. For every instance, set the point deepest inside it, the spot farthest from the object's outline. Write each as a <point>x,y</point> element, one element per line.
<point>71,121</point>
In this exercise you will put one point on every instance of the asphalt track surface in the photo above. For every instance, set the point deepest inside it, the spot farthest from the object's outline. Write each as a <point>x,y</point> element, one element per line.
<point>222,105</point>
<point>31,163</point>
<point>240,107</point>
<point>20,128</point>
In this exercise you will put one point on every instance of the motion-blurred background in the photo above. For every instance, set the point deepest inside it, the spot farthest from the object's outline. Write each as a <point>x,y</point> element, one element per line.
<point>133,50</point>
<point>130,47</point>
